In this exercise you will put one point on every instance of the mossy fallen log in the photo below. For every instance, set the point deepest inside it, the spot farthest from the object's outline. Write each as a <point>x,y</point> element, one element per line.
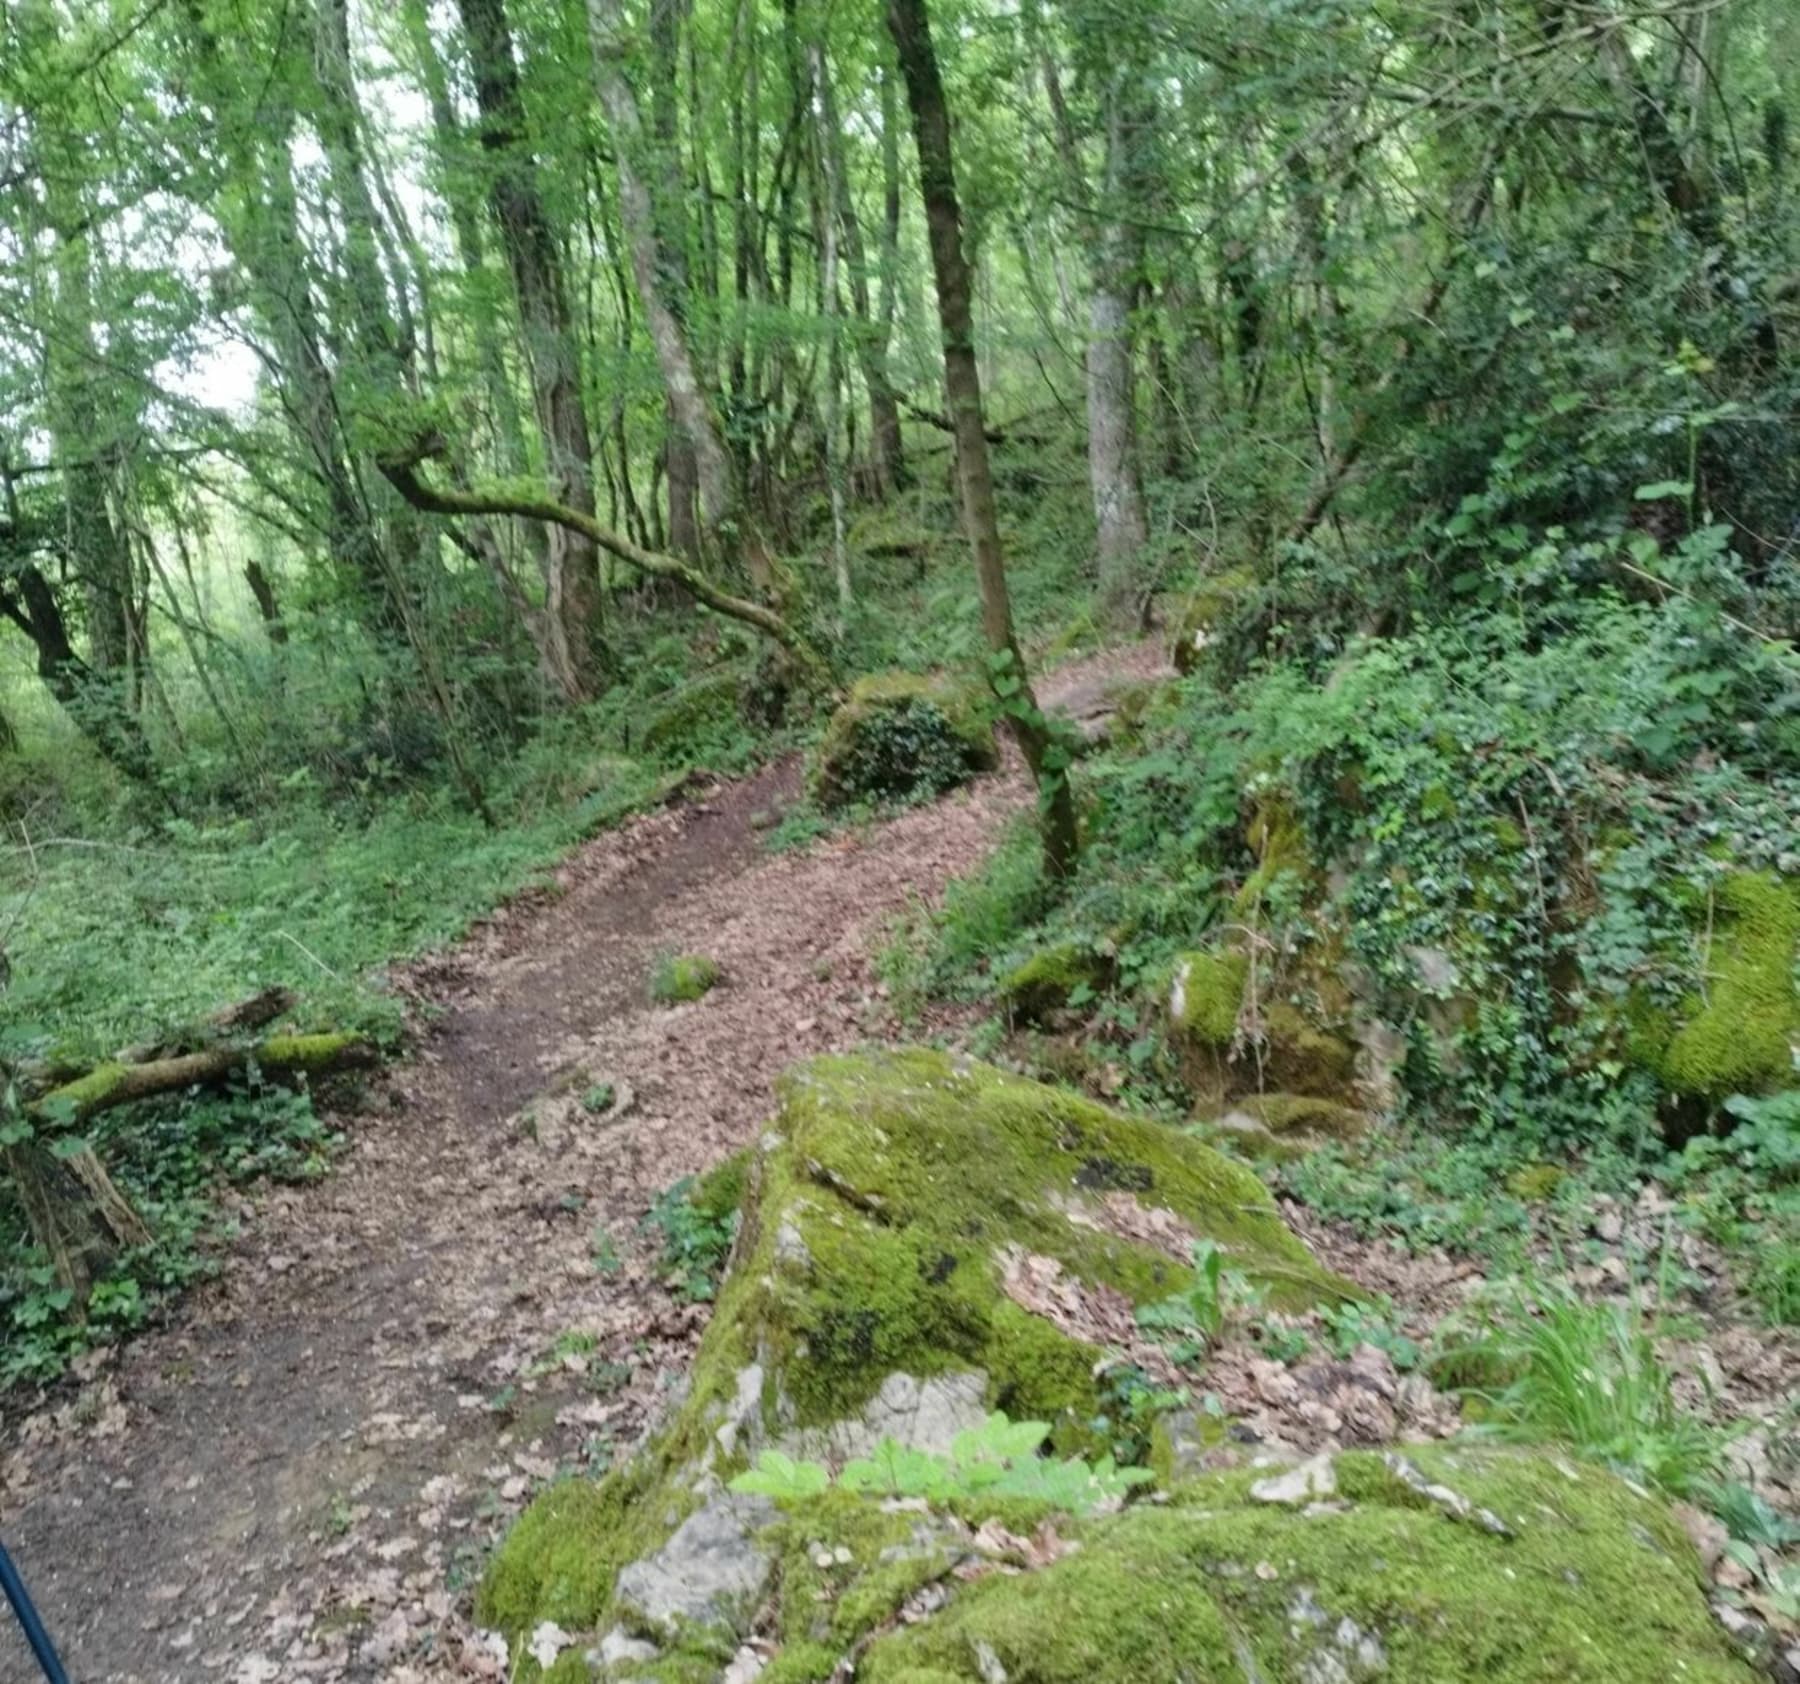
<point>117,1082</point>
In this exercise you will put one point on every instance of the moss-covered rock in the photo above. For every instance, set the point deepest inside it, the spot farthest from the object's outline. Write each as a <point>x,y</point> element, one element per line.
<point>899,734</point>
<point>678,977</point>
<point>1232,1047</point>
<point>881,1217</point>
<point>1290,1115</point>
<point>1212,602</point>
<point>1045,982</point>
<point>903,1178</point>
<point>705,704</point>
<point>1741,1034</point>
<point>871,1287</point>
<point>1589,1584</point>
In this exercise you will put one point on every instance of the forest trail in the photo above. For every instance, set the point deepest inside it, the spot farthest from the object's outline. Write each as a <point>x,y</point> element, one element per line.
<point>297,1475</point>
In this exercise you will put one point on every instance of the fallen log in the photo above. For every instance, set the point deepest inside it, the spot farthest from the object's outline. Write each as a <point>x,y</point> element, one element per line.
<point>257,1011</point>
<point>118,1082</point>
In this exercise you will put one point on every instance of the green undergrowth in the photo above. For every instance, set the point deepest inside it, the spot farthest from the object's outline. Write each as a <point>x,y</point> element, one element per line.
<point>173,1160</point>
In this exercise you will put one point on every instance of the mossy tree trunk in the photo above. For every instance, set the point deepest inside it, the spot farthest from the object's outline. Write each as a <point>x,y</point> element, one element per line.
<point>119,1083</point>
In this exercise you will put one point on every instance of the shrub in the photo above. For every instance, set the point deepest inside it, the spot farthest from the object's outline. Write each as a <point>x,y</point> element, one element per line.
<point>899,736</point>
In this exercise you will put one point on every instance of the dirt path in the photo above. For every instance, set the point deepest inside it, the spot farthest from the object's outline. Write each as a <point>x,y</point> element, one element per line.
<point>298,1477</point>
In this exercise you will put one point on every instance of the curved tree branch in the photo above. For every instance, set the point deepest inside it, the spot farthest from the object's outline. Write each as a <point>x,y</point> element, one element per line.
<point>402,470</point>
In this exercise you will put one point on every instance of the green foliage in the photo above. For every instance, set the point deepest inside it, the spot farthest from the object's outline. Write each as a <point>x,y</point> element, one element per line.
<point>1744,1189</point>
<point>1350,1325</point>
<point>1588,1375</point>
<point>171,1160</point>
<point>1201,1309</point>
<point>679,977</point>
<point>898,737</point>
<point>997,1460</point>
<point>696,1238</point>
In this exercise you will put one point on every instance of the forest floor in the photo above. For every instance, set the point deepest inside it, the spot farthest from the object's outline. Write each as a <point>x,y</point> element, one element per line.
<point>298,1474</point>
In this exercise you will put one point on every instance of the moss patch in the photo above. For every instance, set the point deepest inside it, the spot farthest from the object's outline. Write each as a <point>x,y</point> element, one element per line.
<point>1045,982</point>
<point>905,1173</point>
<point>1207,995</point>
<point>682,976</point>
<point>1739,1037</point>
<point>705,704</point>
<point>558,1561</point>
<point>1596,1586</point>
<point>899,734</point>
<point>1303,1114</point>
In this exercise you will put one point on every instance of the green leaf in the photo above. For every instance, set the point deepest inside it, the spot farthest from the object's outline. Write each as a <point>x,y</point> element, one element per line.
<point>779,1476</point>
<point>1659,489</point>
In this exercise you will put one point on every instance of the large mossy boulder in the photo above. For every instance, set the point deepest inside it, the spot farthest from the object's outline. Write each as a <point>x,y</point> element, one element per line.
<point>901,1214</point>
<point>1449,1567</point>
<point>1741,1033</point>
<point>899,734</point>
<point>893,1217</point>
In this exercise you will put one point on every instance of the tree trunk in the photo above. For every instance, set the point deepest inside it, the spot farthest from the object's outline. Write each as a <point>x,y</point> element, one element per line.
<point>911,29</point>
<point>471,246</point>
<point>650,259</point>
<point>117,1083</point>
<point>827,219</point>
<point>571,562</point>
<point>886,451</point>
<point>82,438</point>
<point>92,700</point>
<point>263,589</point>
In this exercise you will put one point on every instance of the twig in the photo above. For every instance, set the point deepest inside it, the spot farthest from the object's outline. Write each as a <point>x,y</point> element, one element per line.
<point>335,977</point>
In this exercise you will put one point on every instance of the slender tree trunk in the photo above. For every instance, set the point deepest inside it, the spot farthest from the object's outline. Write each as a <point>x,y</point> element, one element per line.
<point>827,219</point>
<point>649,262</point>
<point>910,26</point>
<point>263,589</point>
<point>471,247</point>
<point>81,437</point>
<point>1120,524</point>
<point>571,563</point>
<point>886,451</point>
<point>1115,478</point>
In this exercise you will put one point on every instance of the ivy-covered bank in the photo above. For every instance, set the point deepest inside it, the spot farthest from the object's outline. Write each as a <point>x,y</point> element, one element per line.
<point>933,1253</point>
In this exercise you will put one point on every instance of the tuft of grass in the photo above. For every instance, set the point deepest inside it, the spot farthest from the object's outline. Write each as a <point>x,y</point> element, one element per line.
<point>681,976</point>
<point>1588,1376</point>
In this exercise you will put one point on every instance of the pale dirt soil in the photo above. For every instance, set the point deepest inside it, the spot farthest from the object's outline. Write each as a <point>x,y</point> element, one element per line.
<point>298,1475</point>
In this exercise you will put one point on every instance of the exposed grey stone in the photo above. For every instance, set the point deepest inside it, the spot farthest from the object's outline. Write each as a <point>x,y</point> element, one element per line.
<point>1435,969</point>
<point>921,1414</point>
<point>1350,1653</point>
<point>1453,1503</point>
<point>745,1665</point>
<point>1312,1480</point>
<point>618,1646</point>
<point>791,1249</point>
<point>741,1414</point>
<point>712,1572</point>
<point>987,1663</point>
